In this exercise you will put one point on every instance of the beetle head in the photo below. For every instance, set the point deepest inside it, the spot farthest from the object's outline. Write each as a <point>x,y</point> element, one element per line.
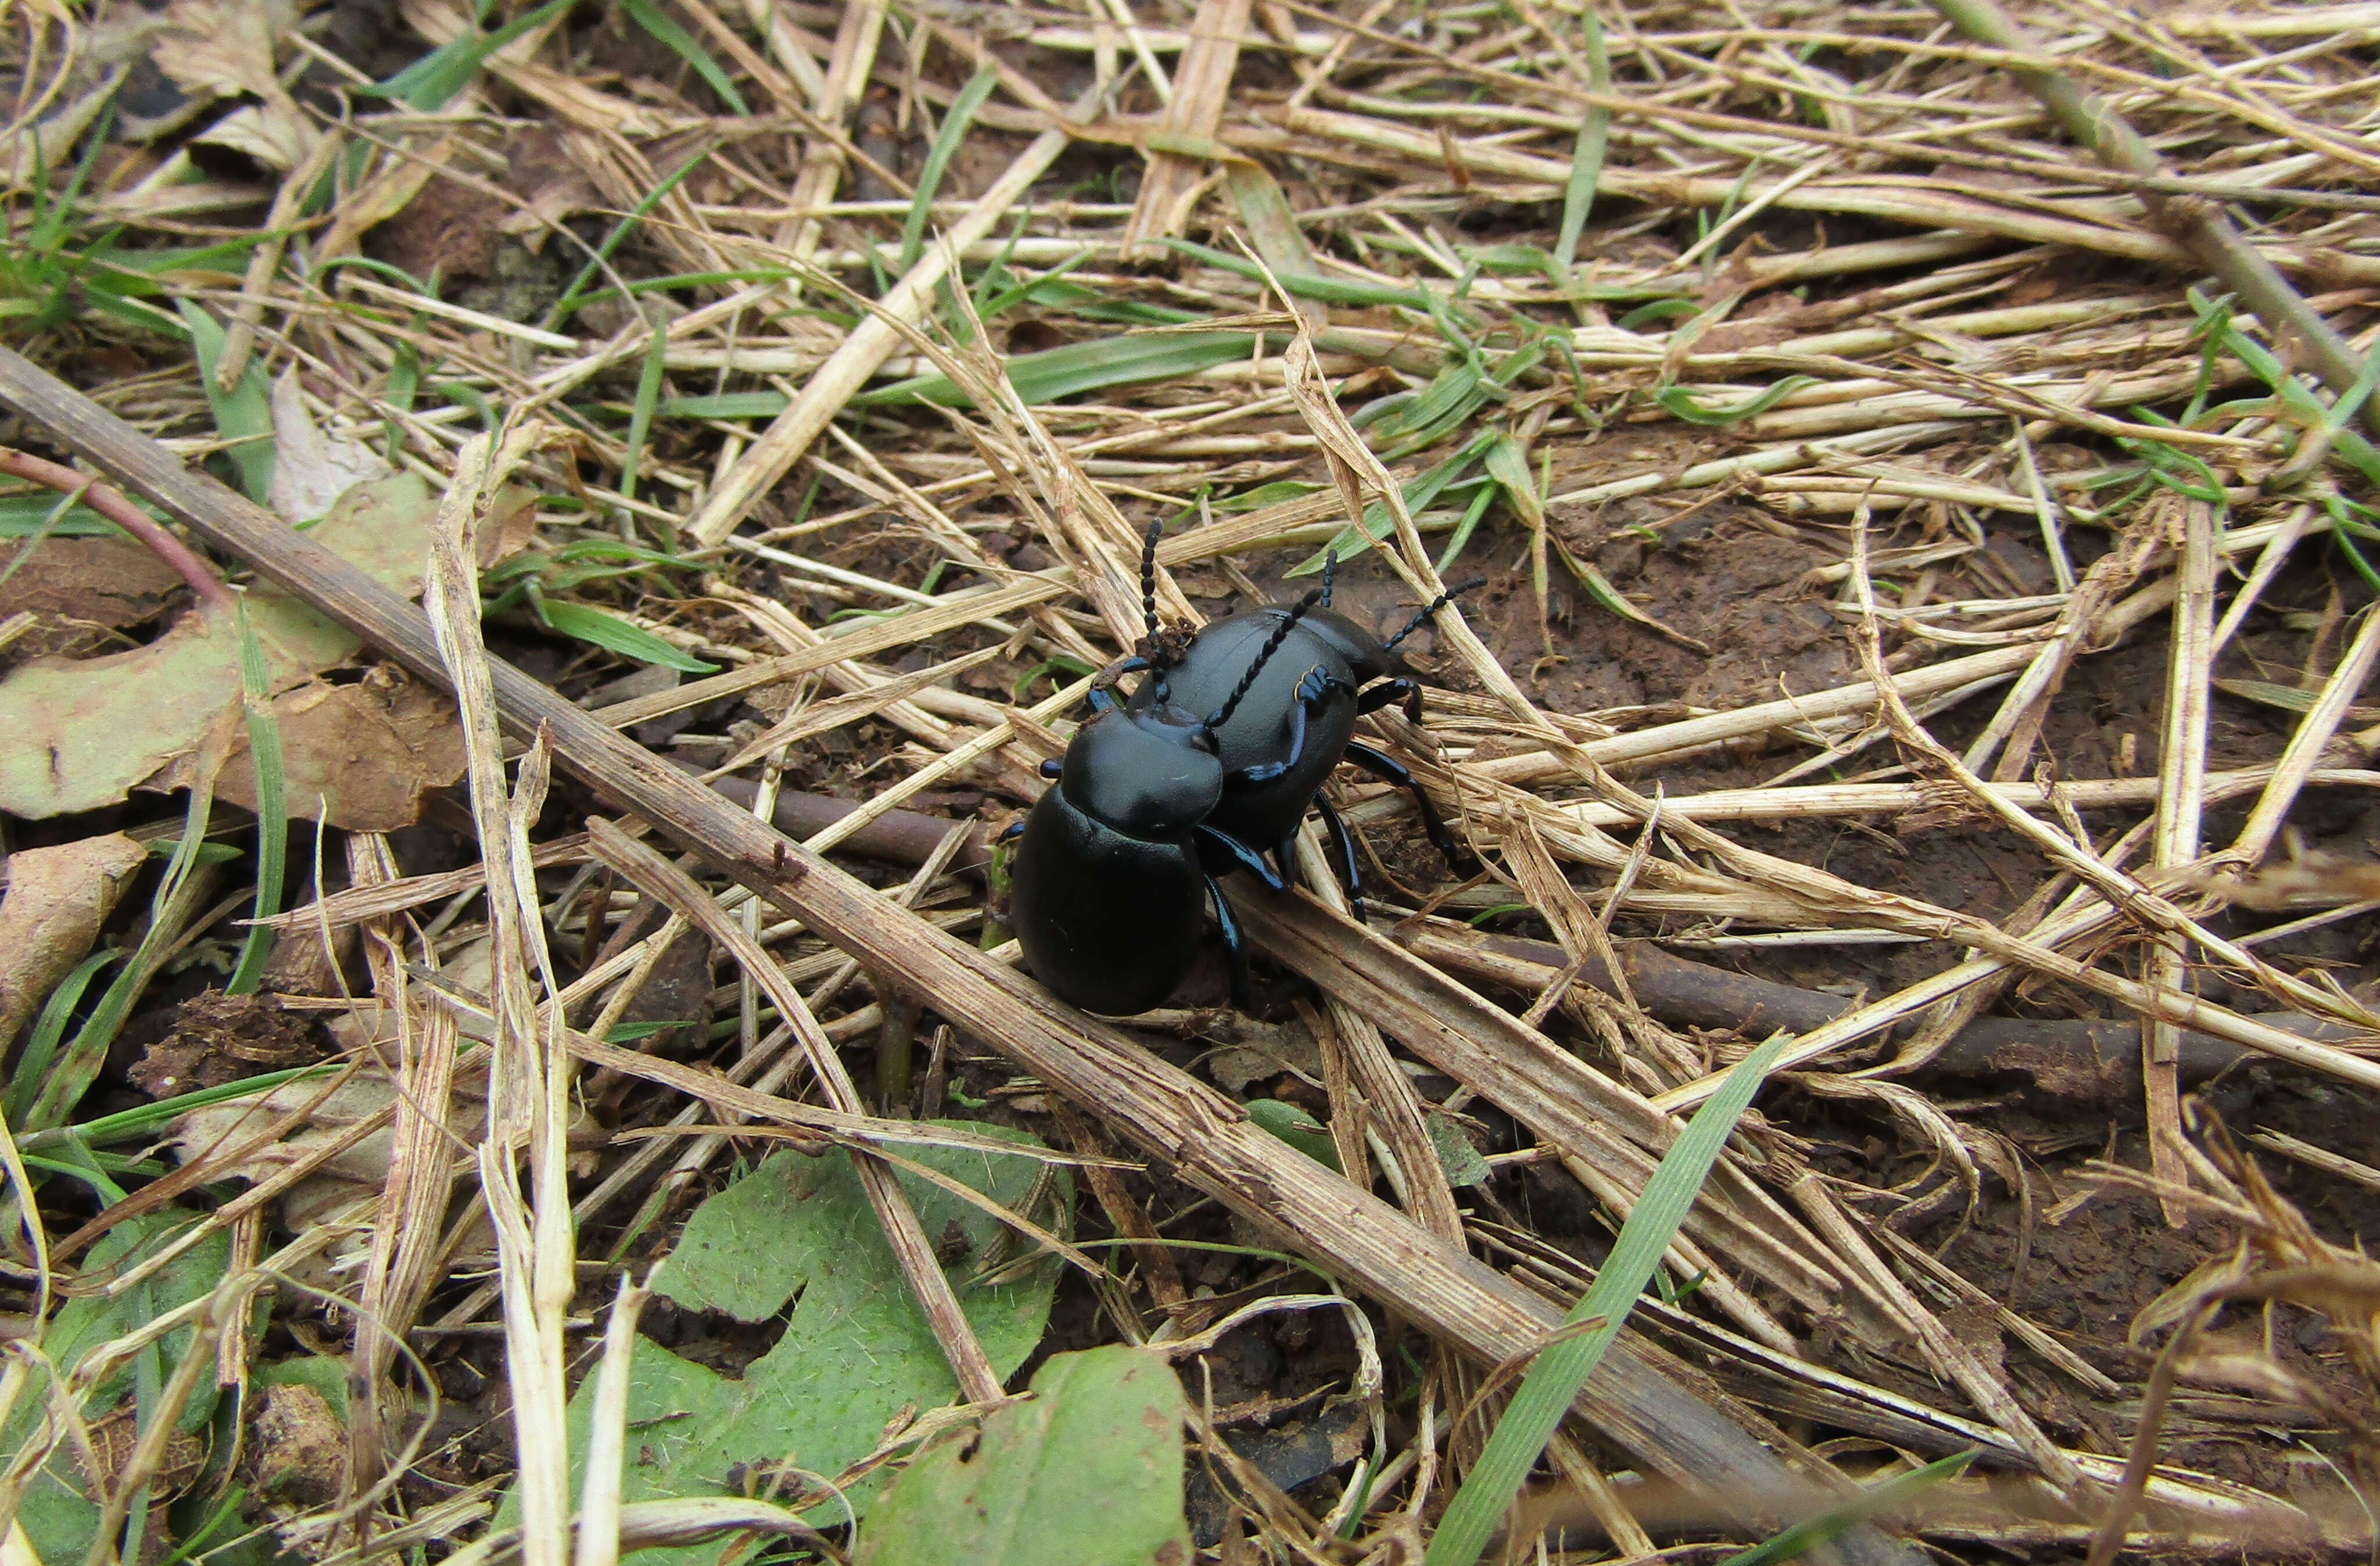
<point>1150,773</point>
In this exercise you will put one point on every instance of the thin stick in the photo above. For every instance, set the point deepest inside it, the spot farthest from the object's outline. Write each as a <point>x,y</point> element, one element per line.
<point>112,504</point>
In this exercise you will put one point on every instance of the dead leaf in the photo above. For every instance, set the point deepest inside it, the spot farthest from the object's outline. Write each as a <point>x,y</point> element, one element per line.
<point>310,469</point>
<point>274,137</point>
<point>216,49</point>
<point>363,757</point>
<point>81,588</point>
<point>56,900</point>
<point>509,527</point>
<point>297,1450</point>
<point>84,734</point>
<point>217,1130</point>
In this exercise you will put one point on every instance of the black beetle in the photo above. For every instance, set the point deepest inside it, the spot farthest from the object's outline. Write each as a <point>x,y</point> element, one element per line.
<point>1117,862</point>
<point>1296,725</point>
<point>1109,878</point>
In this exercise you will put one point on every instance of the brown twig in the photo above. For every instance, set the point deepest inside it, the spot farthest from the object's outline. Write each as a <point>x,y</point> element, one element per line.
<point>112,504</point>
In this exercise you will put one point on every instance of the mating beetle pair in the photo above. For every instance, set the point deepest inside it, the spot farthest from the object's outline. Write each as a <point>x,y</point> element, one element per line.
<point>1116,864</point>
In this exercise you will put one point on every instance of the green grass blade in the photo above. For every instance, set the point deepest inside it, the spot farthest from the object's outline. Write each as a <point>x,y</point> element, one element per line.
<point>640,416</point>
<point>955,125</point>
<point>271,807</point>
<point>430,81</point>
<point>244,414</point>
<point>576,295</point>
<point>41,1045</point>
<point>1553,1382</point>
<point>145,1119</point>
<point>615,635</point>
<point>682,46</point>
<point>1330,290</point>
<point>1418,493</point>
<point>1272,222</point>
<point>1804,1537</point>
<point>726,405</point>
<point>1681,402</point>
<point>1463,529</point>
<point>1081,367</point>
<point>63,1087</point>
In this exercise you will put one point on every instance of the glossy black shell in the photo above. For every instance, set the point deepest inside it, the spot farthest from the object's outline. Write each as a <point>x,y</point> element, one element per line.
<point>1264,814</point>
<point>1110,922</point>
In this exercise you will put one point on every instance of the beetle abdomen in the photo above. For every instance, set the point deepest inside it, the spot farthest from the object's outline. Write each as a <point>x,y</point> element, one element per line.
<point>1111,923</point>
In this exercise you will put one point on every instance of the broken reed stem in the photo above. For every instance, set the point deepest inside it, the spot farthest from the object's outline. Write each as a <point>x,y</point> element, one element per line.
<point>114,505</point>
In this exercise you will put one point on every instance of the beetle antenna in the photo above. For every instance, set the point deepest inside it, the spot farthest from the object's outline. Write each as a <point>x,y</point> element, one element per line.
<point>1272,645</point>
<point>1149,586</point>
<point>1329,570</point>
<point>1440,601</point>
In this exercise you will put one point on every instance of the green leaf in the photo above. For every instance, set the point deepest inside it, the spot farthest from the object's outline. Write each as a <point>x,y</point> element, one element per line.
<point>1587,158</point>
<point>614,635</point>
<point>272,806</point>
<point>1081,367</point>
<point>1681,402</point>
<point>1461,1161</point>
<point>1297,1128</point>
<point>856,1348</point>
<point>1087,1473</point>
<point>680,42</point>
<point>430,81</point>
<point>956,125</point>
<point>244,414</point>
<point>1561,1368</point>
<point>726,405</point>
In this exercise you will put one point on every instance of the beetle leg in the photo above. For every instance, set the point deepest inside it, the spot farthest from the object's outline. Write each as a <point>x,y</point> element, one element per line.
<point>1405,688</point>
<point>1236,952</point>
<point>1012,832</point>
<point>1346,841</point>
<point>1050,766</point>
<point>1389,769</point>
<point>1246,857</point>
<point>1311,693</point>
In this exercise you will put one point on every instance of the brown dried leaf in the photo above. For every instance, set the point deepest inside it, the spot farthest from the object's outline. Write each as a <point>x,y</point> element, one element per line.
<point>364,757</point>
<point>56,899</point>
<point>82,588</point>
<point>84,732</point>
